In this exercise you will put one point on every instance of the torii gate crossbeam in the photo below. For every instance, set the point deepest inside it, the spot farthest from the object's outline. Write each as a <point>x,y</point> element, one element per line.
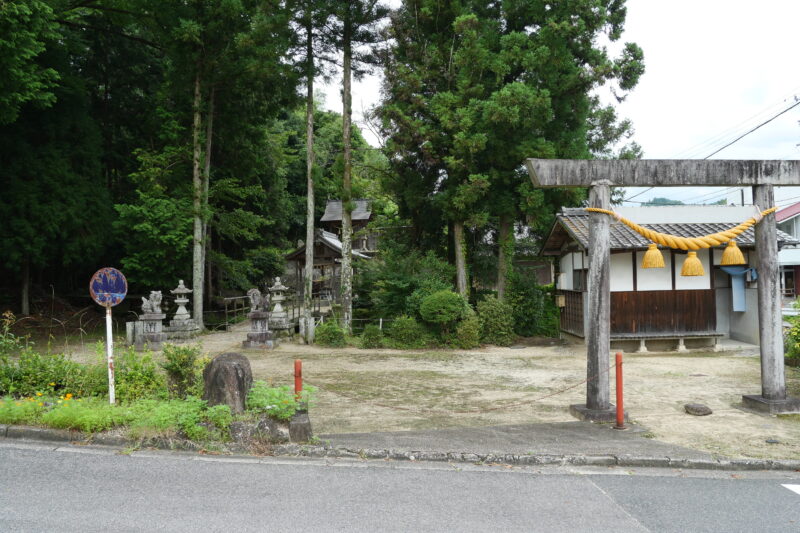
<point>599,176</point>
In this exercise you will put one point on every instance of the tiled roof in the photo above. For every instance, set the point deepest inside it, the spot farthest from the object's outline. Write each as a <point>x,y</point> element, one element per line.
<point>788,212</point>
<point>333,210</point>
<point>576,222</point>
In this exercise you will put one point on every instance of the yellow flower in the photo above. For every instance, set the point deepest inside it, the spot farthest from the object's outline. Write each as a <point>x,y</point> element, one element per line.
<point>52,384</point>
<point>69,395</point>
<point>59,401</point>
<point>41,404</point>
<point>38,394</point>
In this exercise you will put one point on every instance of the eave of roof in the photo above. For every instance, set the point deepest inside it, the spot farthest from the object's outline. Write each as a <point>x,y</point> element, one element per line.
<point>575,221</point>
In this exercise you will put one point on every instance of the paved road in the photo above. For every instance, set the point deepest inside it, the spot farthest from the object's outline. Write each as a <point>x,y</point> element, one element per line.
<point>48,488</point>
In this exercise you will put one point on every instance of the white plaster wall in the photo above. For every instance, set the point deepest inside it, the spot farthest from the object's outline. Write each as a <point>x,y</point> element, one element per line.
<point>724,305</point>
<point>621,272</point>
<point>653,279</point>
<point>565,277</point>
<point>744,326</point>
<point>693,282</point>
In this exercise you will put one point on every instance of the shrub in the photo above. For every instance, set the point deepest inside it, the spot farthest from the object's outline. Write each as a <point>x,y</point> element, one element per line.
<point>496,321</point>
<point>535,312</point>
<point>467,334</point>
<point>34,373</point>
<point>181,368</point>
<point>10,344</point>
<point>372,337</point>
<point>385,285</point>
<point>405,333</point>
<point>792,342</point>
<point>443,308</point>
<point>277,402</point>
<point>427,287</point>
<point>329,334</point>
<point>136,376</point>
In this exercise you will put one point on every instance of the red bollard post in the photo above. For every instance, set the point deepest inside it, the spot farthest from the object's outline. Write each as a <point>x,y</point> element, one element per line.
<point>298,378</point>
<point>620,407</point>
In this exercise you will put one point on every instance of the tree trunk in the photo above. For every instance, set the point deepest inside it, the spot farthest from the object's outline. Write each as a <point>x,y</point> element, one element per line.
<point>206,181</point>
<point>309,270</point>
<point>197,206</point>
<point>347,201</point>
<point>26,286</point>
<point>505,240</point>
<point>461,261</point>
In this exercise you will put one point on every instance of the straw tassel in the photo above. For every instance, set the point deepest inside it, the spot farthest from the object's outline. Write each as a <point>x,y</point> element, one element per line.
<point>732,255</point>
<point>653,257</point>
<point>692,266</point>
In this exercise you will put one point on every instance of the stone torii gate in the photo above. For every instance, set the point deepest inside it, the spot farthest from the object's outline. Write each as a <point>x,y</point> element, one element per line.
<point>599,176</point>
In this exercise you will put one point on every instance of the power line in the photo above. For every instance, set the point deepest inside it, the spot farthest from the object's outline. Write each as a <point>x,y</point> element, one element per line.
<point>720,137</point>
<point>797,103</point>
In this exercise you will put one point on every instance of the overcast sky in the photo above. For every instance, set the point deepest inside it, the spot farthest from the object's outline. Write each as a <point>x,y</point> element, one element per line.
<point>714,70</point>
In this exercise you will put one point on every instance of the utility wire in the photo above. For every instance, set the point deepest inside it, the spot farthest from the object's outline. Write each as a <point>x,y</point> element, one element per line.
<point>797,103</point>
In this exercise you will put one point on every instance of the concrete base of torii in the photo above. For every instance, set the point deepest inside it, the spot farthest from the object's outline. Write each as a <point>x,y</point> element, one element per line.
<point>773,407</point>
<point>603,416</point>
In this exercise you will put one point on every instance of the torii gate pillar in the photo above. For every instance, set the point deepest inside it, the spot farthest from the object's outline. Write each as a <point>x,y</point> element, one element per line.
<point>595,174</point>
<point>598,407</point>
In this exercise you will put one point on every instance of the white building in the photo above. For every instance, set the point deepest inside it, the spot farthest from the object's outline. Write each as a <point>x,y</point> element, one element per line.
<point>659,303</point>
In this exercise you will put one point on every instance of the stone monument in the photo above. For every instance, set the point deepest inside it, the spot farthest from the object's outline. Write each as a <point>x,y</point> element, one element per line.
<point>182,326</point>
<point>259,335</point>
<point>278,319</point>
<point>148,333</point>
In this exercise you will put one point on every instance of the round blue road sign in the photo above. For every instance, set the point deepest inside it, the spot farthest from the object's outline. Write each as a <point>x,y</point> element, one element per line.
<point>108,287</point>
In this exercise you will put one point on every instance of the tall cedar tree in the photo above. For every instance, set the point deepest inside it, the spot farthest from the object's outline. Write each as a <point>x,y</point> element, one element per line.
<point>473,88</point>
<point>314,47</point>
<point>358,34</point>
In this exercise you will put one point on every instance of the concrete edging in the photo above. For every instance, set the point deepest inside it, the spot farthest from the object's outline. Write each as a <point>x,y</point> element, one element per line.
<point>304,450</point>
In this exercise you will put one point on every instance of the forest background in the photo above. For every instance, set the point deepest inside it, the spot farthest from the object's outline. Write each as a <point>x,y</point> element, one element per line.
<point>180,140</point>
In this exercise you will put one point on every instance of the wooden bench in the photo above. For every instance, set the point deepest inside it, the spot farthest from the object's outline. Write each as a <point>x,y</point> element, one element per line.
<point>679,336</point>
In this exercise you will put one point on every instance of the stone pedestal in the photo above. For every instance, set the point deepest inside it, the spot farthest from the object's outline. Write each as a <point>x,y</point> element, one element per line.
<point>149,332</point>
<point>181,329</point>
<point>259,335</point>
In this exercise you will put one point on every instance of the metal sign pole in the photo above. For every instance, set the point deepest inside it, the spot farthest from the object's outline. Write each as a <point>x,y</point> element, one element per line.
<point>110,355</point>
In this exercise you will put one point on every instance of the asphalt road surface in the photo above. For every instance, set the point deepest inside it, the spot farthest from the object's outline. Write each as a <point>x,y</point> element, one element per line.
<point>71,488</point>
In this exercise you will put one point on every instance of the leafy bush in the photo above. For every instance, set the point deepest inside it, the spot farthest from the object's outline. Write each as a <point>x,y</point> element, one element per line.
<point>385,285</point>
<point>428,287</point>
<point>467,334</point>
<point>443,307</point>
<point>330,334</point>
<point>33,373</point>
<point>535,312</point>
<point>277,402</point>
<point>372,337</point>
<point>496,321</point>
<point>181,368</point>
<point>136,376</point>
<point>792,342</point>
<point>405,333</point>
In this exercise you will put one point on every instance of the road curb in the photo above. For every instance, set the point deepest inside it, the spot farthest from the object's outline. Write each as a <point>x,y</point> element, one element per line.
<point>313,451</point>
<point>296,450</point>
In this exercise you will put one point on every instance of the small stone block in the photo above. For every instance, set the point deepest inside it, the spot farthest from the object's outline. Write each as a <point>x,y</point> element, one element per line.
<point>603,416</point>
<point>697,409</point>
<point>773,407</point>
<point>300,427</point>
